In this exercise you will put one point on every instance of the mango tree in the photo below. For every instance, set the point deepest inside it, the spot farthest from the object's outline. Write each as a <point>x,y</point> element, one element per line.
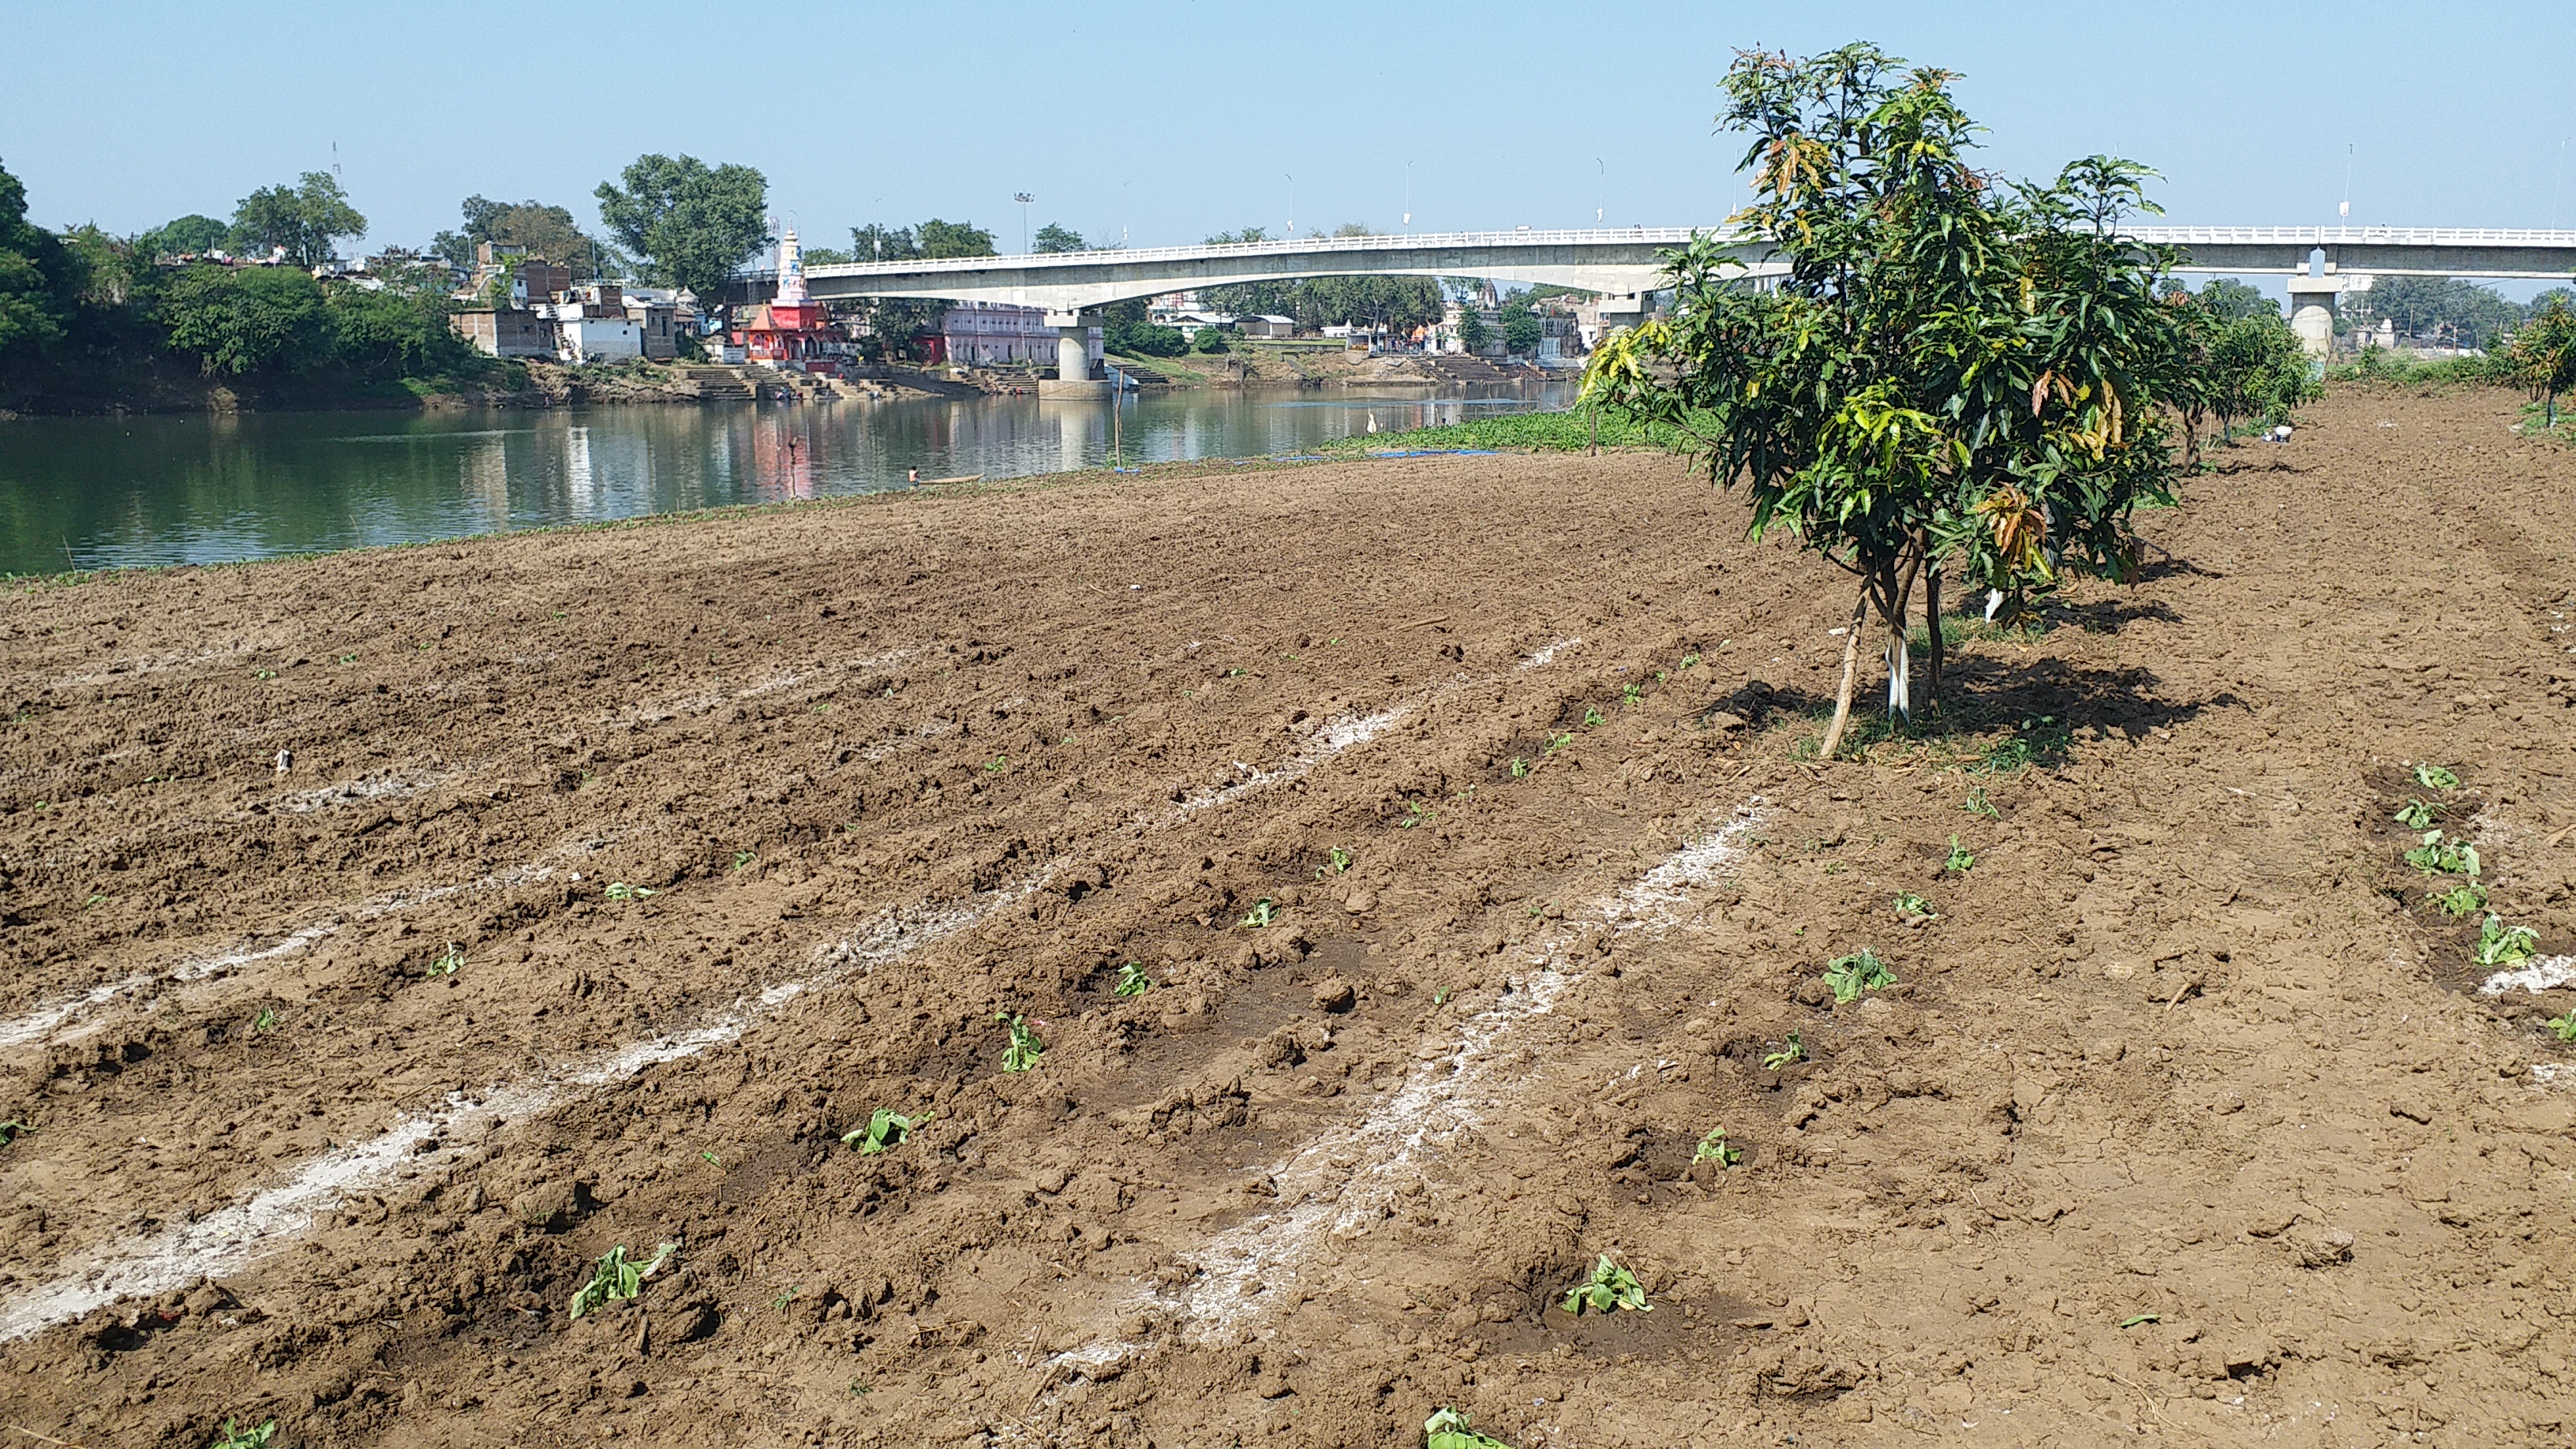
<point>2543,355</point>
<point>1942,370</point>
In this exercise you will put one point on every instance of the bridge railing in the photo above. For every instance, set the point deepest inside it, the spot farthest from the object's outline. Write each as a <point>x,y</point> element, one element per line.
<point>1657,236</point>
<point>2314,236</point>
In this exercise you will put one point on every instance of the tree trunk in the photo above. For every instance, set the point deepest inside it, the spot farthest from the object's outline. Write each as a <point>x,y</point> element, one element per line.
<point>1895,596</point>
<point>1851,671</point>
<point>1937,651</point>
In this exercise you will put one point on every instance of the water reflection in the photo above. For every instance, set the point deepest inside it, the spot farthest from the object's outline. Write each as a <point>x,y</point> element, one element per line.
<point>94,492</point>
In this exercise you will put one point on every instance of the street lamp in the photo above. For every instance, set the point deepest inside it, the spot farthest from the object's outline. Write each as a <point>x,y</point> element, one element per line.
<point>1023,198</point>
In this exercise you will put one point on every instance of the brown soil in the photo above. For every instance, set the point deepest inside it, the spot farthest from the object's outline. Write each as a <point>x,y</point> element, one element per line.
<point>2177,1124</point>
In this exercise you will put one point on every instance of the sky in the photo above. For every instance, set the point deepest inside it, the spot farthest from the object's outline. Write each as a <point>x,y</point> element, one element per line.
<point>1160,123</point>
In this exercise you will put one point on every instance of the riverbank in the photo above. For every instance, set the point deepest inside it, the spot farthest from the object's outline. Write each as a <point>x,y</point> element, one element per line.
<point>1402,869</point>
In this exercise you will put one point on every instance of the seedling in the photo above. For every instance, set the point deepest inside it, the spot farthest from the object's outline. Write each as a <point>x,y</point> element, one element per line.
<point>1610,1289</point>
<point>2435,777</point>
<point>997,764</point>
<point>1337,862</point>
<point>2564,1026</point>
<point>614,1279</point>
<point>782,1300</point>
<point>2419,814</point>
<point>742,858</point>
<point>1978,804</point>
<point>1713,1148</point>
<point>1261,914</point>
<point>1440,997</point>
<point>446,965</point>
<point>1914,908</point>
<point>857,1389</point>
<point>2440,855</point>
<point>268,674</point>
<point>237,1438</point>
<point>9,1132</point>
<point>1794,1052</point>
<point>1591,716</point>
<point>267,1019</point>
<point>1689,661</point>
<point>1132,980</point>
<point>619,890</point>
<point>1631,694</point>
<point>2135,1319</point>
<point>1860,971</point>
<point>1025,1048</point>
<point>2503,945</point>
<point>886,1128</point>
<point>1961,860</point>
<point>1448,1429</point>
<point>348,658</point>
<point>710,1159</point>
<point>1415,813</point>
<point>1557,742</point>
<point>2466,899</point>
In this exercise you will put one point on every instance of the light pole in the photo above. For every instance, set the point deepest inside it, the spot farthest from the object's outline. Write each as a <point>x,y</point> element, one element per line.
<point>1602,196</point>
<point>1023,198</point>
<point>1408,194</point>
<point>1292,204</point>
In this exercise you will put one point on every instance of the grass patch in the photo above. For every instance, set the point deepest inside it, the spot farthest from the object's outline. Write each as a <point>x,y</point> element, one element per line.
<point>1568,431</point>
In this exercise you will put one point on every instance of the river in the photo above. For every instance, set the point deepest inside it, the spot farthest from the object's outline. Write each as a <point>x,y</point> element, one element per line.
<point>142,491</point>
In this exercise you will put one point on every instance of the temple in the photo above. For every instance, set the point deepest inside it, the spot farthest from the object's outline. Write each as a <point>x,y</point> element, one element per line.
<point>790,330</point>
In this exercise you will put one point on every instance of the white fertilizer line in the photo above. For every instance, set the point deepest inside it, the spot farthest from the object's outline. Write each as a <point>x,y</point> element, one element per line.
<point>1327,1193</point>
<point>431,1143</point>
<point>1547,656</point>
<point>2546,974</point>
<point>1335,737</point>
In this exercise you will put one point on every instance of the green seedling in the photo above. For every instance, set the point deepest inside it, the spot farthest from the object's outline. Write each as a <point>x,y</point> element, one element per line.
<point>782,1300</point>
<point>1610,1289</point>
<point>1440,997</point>
<point>1449,1429</point>
<point>1068,739</point>
<point>2444,855</point>
<point>2461,900</point>
<point>1661,677</point>
<point>1790,1055</point>
<point>239,1438</point>
<point>1860,971</point>
<point>1591,716</point>
<point>1132,980</point>
<point>2503,945</point>
<point>1337,861</point>
<point>1713,1148</point>
<point>446,965</point>
<point>742,858</point>
<point>2135,1319</point>
<point>1234,674</point>
<point>267,674</point>
<point>619,890</point>
<point>858,1389</point>
<point>1557,742</point>
<point>2564,1026</point>
<point>266,1021</point>
<point>2418,814</point>
<point>1690,661</point>
<point>1520,768</point>
<point>885,1129</point>
<point>1415,813</point>
<point>1914,908</point>
<point>12,1131</point>
<point>1978,804</point>
<point>1961,860</point>
<point>1025,1048</point>
<point>1261,914</point>
<point>2435,777</point>
<point>614,1279</point>
<point>348,658</point>
<point>711,1159</point>
<point>1631,694</point>
<point>997,764</point>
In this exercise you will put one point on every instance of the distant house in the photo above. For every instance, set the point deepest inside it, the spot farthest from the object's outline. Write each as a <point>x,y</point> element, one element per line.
<point>506,331</point>
<point>592,325</point>
<point>987,334</point>
<point>1263,324</point>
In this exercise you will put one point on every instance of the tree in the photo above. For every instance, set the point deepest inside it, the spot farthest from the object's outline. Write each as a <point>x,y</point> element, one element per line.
<point>1950,370</point>
<point>1211,340</point>
<point>306,220</point>
<point>1124,328</point>
<point>248,319</point>
<point>2228,300</point>
<point>1473,334</point>
<point>893,322</point>
<point>35,280</point>
<point>2543,351</point>
<point>1054,238</point>
<point>2462,313</point>
<point>190,235</point>
<point>954,239</point>
<point>694,224</point>
<point>393,331</point>
<point>1522,329</point>
<point>547,232</point>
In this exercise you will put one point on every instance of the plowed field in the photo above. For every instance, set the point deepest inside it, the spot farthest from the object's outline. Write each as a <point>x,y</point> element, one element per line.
<point>388,936</point>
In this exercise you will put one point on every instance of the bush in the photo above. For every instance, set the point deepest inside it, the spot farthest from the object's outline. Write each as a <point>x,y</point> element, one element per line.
<point>1146,339</point>
<point>246,320</point>
<point>1211,339</point>
<point>394,333</point>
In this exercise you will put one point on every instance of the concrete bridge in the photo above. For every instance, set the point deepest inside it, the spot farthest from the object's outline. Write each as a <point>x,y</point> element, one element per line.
<point>1626,265</point>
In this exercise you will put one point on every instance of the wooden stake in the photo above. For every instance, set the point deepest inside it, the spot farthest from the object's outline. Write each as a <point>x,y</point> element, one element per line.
<point>1851,667</point>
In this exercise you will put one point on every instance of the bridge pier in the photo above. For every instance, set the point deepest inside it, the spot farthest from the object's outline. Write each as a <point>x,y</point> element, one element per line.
<point>2312,311</point>
<point>1072,358</point>
<point>1620,312</point>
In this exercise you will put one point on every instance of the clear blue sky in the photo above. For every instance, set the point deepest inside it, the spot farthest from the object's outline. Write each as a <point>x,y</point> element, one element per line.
<point>1162,122</point>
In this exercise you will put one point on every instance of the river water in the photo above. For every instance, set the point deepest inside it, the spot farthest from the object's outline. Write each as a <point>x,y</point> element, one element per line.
<point>139,491</point>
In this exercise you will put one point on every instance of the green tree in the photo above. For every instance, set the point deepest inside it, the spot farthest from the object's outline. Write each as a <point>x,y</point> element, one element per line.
<point>546,232</point>
<point>190,235</point>
<point>2543,351</point>
<point>1473,334</point>
<point>306,220</point>
<point>36,285</point>
<point>954,239</point>
<point>394,331</point>
<point>894,324</point>
<point>1211,340</point>
<point>1054,238</point>
<point>2462,314</point>
<point>1124,328</point>
<point>247,319</point>
<point>1951,369</point>
<point>2228,300</point>
<point>693,224</point>
<point>1522,330</point>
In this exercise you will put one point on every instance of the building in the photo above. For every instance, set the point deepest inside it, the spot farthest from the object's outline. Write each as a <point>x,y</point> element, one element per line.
<point>506,331</point>
<point>666,314</point>
<point>999,334</point>
<point>1263,324</point>
<point>791,330</point>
